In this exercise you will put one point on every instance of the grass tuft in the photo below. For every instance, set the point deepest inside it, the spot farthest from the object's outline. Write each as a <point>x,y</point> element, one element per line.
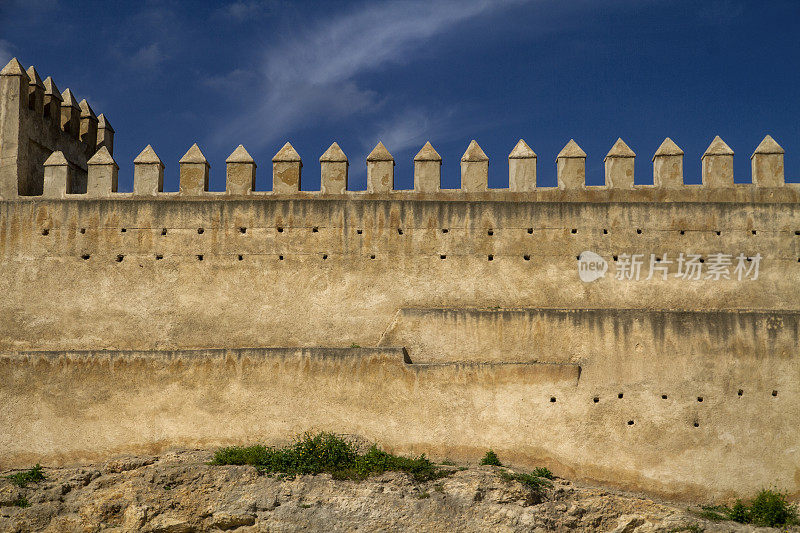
<point>491,459</point>
<point>536,483</point>
<point>327,453</point>
<point>33,475</point>
<point>769,508</point>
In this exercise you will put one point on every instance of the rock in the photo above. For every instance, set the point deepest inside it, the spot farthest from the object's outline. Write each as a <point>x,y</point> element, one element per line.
<point>225,521</point>
<point>123,464</point>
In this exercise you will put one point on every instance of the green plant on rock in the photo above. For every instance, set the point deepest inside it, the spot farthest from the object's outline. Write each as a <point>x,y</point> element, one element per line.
<point>769,508</point>
<point>22,501</point>
<point>491,459</point>
<point>328,453</point>
<point>33,475</point>
<point>536,483</point>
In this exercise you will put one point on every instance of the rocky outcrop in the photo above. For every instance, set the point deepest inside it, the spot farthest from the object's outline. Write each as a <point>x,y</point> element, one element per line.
<point>178,492</point>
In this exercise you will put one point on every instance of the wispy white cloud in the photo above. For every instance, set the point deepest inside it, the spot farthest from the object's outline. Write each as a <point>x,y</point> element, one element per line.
<point>147,57</point>
<point>5,52</point>
<point>317,74</point>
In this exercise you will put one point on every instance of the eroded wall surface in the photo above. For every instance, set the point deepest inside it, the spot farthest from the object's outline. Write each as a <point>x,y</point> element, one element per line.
<point>134,324</point>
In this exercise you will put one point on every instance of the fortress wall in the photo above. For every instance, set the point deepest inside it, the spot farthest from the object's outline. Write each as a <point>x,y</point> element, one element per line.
<point>138,288</point>
<point>36,119</point>
<point>59,407</point>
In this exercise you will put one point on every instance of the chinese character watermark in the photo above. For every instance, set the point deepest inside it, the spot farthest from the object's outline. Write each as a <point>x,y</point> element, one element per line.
<point>688,267</point>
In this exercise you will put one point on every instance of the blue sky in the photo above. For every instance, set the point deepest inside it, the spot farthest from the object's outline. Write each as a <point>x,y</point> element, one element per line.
<point>261,72</point>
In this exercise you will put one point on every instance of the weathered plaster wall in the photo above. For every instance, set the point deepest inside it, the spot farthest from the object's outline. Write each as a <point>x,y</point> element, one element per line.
<point>297,272</point>
<point>82,405</point>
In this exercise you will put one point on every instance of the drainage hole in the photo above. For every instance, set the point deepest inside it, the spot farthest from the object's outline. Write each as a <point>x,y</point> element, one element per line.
<point>664,396</point>
<point>490,232</point>
<point>753,232</point>
<point>638,231</point>
<point>120,258</point>
<point>240,257</point>
<point>774,393</point>
<point>683,232</point>
<point>280,229</point>
<point>83,230</point>
<point>159,257</point>
<point>696,424</point>
<point>619,395</point>
<point>445,230</point>
<point>490,257</point>
<point>200,231</point>
<point>280,258</point>
<point>740,392</point>
<point>399,231</point>
<point>605,231</point>
<point>552,399</point>
<point>315,229</point>
<point>164,231</point>
<point>442,256</point>
<point>358,231</point>
<point>530,230</point>
<point>85,257</point>
<point>199,257</point>
<point>630,422</point>
<point>123,230</point>
<point>526,257</point>
<point>45,232</point>
<point>372,256</point>
<point>699,398</point>
<point>595,399</point>
<point>718,232</point>
<point>574,231</point>
<point>242,230</point>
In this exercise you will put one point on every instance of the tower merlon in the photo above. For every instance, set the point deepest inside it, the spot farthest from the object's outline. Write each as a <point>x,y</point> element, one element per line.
<point>380,170</point>
<point>194,170</point>
<point>333,170</point>
<point>717,165</point>
<point>286,170</point>
<point>240,172</point>
<point>619,166</point>
<point>571,166</point>
<point>427,169</point>
<point>474,169</point>
<point>148,173</point>
<point>767,164</point>
<point>522,168</point>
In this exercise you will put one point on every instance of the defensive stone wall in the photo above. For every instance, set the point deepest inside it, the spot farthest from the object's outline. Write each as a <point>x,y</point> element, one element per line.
<point>37,120</point>
<point>644,336</point>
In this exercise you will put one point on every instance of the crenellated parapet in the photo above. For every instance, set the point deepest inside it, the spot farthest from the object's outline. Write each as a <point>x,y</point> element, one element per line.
<point>36,120</point>
<point>716,166</point>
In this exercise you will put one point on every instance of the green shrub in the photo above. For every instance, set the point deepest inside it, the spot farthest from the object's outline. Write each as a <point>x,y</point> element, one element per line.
<point>532,481</point>
<point>329,453</point>
<point>34,475</point>
<point>769,508</point>
<point>491,459</point>
<point>543,472</point>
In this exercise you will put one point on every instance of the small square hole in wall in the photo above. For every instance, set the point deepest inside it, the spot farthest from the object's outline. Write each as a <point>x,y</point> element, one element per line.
<point>164,231</point>
<point>399,231</point>
<point>718,233</point>
<point>753,232</point>
<point>200,231</point>
<point>702,260</point>
<point>530,231</point>
<point>526,257</point>
<point>797,232</point>
<point>664,396</point>
<point>774,393</point>
<point>615,258</point>
<point>85,257</point>
<point>552,399</point>
<point>442,256</point>
<point>638,231</point>
<point>596,399</point>
<point>620,395</point>
<point>280,258</point>
<point>280,229</point>
<point>83,231</point>
<point>630,422</point>
<point>159,257</point>
<point>358,231</point>
<point>490,232</point>
<point>574,231</point>
<point>242,230</point>
<point>45,232</point>
<point>372,256</point>
<point>240,257</point>
<point>324,256</point>
<point>605,231</point>
<point>315,229</point>
<point>445,230</point>
<point>199,257</point>
<point>740,392</point>
<point>123,230</point>
<point>699,398</point>
<point>696,424</point>
<point>683,232</point>
<point>490,257</point>
<point>120,257</point>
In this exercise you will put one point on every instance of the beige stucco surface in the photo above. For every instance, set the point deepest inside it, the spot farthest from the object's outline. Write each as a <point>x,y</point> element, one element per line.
<point>116,336</point>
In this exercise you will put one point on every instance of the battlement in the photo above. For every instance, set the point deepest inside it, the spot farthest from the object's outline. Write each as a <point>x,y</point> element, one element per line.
<point>36,121</point>
<point>767,184</point>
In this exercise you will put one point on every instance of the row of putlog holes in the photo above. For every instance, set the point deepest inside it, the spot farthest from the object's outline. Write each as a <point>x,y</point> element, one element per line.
<point>700,399</point>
